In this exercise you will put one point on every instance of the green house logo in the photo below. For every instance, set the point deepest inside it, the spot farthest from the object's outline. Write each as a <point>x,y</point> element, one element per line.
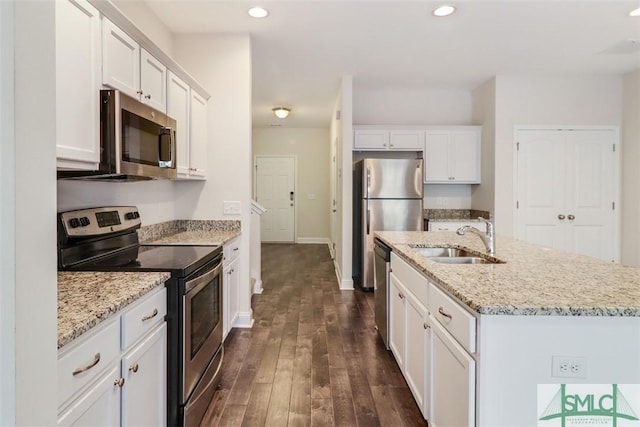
<point>590,404</point>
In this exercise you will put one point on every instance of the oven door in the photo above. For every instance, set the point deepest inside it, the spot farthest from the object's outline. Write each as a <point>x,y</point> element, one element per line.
<point>202,308</point>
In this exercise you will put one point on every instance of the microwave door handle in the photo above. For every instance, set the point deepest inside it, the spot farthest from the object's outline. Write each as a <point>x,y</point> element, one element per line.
<point>165,132</point>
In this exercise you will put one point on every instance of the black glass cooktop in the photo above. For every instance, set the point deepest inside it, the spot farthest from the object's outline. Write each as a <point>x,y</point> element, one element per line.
<point>177,259</point>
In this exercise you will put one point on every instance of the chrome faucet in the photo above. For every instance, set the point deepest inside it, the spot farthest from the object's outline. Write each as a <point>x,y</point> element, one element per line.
<point>488,238</point>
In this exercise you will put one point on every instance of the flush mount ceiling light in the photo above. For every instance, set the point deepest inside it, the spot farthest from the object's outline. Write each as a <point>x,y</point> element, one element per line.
<point>444,10</point>
<point>281,112</point>
<point>635,12</point>
<point>258,12</point>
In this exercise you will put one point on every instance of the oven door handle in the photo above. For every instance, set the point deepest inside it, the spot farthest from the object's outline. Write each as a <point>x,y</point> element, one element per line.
<point>199,282</point>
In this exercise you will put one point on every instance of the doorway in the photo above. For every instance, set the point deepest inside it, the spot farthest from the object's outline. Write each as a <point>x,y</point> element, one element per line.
<point>275,190</point>
<point>567,189</point>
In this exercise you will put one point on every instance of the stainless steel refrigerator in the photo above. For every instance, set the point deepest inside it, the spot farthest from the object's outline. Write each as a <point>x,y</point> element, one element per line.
<point>387,195</point>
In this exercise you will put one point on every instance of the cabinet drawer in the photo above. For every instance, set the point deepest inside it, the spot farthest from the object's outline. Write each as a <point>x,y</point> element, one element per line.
<point>231,251</point>
<point>453,317</point>
<point>415,282</point>
<point>87,359</point>
<point>143,317</point>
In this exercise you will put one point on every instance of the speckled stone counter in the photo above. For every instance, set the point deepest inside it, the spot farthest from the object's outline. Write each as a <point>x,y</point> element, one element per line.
<point>190,232</point>
<point>87,298</point>
<point>534,280</point>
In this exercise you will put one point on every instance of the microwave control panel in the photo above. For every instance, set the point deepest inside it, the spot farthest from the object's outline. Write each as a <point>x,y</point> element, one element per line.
<point>99,221</point>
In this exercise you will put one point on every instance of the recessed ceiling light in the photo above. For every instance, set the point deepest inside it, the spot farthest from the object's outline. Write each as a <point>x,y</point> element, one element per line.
<point>444,10</point>
<point>258,12</point>
<point>635,12</point>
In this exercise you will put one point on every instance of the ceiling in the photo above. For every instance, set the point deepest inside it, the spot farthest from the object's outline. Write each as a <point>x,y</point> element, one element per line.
<point>303,48</point>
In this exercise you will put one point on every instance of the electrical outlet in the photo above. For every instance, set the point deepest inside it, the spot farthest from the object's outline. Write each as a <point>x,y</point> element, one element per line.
<point>231,208</point>
<point>568,367</point>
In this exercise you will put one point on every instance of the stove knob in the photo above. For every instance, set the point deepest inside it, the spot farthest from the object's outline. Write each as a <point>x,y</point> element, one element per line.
<point>84,221</point>
<point>74,223</point>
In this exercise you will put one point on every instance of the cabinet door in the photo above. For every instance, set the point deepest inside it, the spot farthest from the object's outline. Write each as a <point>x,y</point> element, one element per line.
<point>417,355</point>
<point>178,100</point>
<point>464,156</point>
<point>77,82</point>
<point>397,320</point>
<point>371,140</point>
<point>198,144</point>
<point>120,60</point>
<point>436,157</point>
<point>98,406</point>
<point>153,81</point>
<point>406,140</point>
<point>144,395</point>
<point>452,381</point>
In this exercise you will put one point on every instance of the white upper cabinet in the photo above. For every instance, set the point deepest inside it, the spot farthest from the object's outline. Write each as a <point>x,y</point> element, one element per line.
<point>178,101</point>
<point>77,84</point>
<point>452,156</point>
<point>131,69</point>
<point>198,132</point>
<point>388,139</point>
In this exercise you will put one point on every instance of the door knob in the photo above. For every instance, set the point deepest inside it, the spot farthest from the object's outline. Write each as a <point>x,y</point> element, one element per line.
<point>571,217</point>
<point>560,217</point>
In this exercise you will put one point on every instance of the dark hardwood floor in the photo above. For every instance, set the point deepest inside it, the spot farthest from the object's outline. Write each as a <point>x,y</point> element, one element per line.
<point>312,357</point>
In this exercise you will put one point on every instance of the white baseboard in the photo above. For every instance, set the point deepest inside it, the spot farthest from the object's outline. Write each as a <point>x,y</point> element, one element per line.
<point>344,284</point>
<point>312,240</point>
<point>257,286</point>
<point>244,320</point>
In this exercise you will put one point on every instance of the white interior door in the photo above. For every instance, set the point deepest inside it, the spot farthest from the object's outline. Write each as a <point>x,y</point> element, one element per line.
<point>566,181</point>
<point>275,190</point>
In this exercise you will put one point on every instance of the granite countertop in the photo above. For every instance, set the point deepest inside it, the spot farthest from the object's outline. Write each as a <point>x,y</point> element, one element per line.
<point>436,215</point>
<point>534,280</point>
<point>190,232</point>
<point>87,298</point>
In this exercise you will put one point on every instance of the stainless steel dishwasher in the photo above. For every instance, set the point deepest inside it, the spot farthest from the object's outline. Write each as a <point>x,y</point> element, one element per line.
<point>381,268</point>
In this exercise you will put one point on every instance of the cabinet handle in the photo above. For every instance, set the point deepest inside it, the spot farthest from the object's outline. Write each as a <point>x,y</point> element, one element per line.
<point>139,92</point>
<point>400,295</point>
<point>444,313</point>
<point>571,217</point>
<point>150,316</point>
<point>133,368</point>
<point>425,326</point>
<point>235,249</point>
<point>119,382</point>
<point>96,360</point>
<point>561,217</point>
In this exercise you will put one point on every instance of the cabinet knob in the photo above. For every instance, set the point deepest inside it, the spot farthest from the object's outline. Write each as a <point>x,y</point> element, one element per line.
<point>148,96</point>
<point>139,92</point>
<point>119,382</point>
<point>425,326</point>
<point>571,217</point>
<point>400,295</point>
<point>561,217</point>
<point>133,368</point>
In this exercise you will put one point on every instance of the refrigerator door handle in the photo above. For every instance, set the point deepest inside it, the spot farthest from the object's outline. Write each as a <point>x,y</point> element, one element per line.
<point>368,182</point>
<point>368,217</point>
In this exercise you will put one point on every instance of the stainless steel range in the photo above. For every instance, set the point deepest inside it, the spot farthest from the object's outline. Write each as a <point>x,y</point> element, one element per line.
<point>105,239</point>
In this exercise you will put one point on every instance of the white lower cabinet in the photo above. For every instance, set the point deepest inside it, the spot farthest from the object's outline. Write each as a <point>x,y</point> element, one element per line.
<point>231,284</point>
<point>409,332</point>
<point>115,374</point>
<point>453,378</point>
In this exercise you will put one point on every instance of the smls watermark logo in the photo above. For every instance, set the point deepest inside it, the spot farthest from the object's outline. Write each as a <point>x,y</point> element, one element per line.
<point>593,405</point>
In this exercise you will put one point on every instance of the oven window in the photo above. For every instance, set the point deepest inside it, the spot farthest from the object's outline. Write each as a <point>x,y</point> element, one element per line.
<point>205,314</point>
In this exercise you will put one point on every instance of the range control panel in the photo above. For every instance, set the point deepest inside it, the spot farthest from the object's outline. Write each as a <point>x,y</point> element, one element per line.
<point>99,221</point>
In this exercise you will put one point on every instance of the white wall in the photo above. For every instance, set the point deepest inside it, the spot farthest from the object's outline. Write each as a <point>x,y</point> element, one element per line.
<point>527,100</point>
<point>630,135</point>
<point>311,148</point>
<point>35,219</point>
<point>147,21</point>
<point>7,220</point>
<point>222,64</point>
<point>484,113</point>
<point>393,106</point>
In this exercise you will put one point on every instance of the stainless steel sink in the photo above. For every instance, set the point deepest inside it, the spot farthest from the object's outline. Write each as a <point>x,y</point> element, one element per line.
<point>453,255</point>
<point>464,260</point>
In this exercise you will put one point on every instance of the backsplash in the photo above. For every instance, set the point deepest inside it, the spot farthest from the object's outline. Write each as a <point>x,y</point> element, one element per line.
<point>454,214</point>
<point>153,232</point>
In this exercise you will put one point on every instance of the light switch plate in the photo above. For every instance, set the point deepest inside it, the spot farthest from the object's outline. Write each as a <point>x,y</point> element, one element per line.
<point>231,208</point>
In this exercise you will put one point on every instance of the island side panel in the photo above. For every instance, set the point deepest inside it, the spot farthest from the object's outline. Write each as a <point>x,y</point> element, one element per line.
<point>515,355</point>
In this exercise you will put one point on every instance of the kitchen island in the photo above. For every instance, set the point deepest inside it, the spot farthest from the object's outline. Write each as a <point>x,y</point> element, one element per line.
<point>497,331</point>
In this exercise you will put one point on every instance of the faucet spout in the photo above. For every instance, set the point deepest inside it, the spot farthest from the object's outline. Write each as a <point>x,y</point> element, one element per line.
<point>487,238</point>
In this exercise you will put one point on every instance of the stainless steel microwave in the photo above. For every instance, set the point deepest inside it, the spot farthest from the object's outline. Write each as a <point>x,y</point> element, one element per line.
<point>136,141</point>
